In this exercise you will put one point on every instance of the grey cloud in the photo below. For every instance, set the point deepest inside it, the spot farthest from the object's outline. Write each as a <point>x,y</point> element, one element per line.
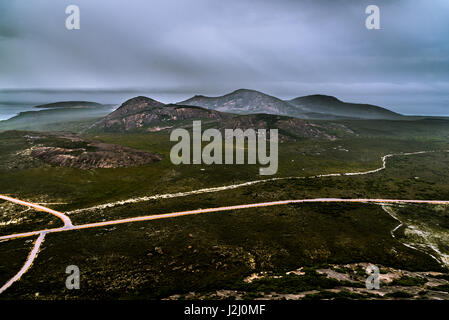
<point>286,48</point>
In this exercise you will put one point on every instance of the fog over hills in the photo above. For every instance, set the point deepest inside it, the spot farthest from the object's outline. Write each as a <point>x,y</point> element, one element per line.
<point>57,116</point>
<point>142,113</point>
<point>287,48</point>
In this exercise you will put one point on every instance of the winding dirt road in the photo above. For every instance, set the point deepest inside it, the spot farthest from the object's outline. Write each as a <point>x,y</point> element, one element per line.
<point>28,263</point>
<point>63,217</point>
<point>68,226</point>
<point>240,185</point>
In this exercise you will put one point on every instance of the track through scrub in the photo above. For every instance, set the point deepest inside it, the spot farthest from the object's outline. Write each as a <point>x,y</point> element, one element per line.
<point>69,226</point>
<point>42,233</point>
<point>219,209</point>
<point>240,185</point>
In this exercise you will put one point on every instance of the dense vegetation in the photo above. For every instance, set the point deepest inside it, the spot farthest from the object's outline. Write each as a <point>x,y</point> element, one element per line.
<point>217,251</point>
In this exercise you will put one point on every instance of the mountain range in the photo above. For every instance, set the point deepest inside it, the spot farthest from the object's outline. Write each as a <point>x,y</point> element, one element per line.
<point>242,109</point>
<point>147,115</point>
<point>244,101</point>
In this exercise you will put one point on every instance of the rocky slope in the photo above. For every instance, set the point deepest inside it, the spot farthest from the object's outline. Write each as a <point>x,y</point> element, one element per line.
<point>289,129</point>
<point>243,101</point>
<point>145,114</point>
<point>74,152</point>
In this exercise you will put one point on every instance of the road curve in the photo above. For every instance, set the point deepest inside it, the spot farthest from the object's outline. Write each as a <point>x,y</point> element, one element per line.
<point>65,219</point>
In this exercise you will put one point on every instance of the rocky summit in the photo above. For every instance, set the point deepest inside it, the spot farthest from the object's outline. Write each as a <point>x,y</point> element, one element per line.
<point>146,114</point>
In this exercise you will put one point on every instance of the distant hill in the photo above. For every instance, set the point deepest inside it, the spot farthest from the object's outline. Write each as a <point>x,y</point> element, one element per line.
<point>331,106</point>
<point>70,104</point>
<point>145,114</point>
<point>59,116</point>
<point>319,107</point>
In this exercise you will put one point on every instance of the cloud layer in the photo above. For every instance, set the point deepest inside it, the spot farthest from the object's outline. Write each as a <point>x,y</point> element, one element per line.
<point>285,48</point>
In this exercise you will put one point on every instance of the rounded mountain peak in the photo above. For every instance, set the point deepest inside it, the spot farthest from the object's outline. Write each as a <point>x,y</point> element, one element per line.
<point>318,98</point>
<point>142,99</point>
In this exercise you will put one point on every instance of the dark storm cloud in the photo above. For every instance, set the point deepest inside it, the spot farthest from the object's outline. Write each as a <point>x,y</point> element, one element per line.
<point>285,48</point>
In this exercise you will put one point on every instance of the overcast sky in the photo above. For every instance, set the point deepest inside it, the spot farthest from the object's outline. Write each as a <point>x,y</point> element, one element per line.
<point>284,48</point>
